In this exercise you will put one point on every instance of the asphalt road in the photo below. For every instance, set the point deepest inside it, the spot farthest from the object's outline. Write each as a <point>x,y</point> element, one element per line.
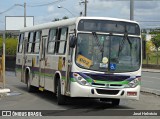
<point>20,99</point>
<point>151,80</point>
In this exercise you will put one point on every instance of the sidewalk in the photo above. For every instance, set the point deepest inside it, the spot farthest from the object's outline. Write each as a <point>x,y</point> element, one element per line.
<point>151,91</point>
<point>151,70</point>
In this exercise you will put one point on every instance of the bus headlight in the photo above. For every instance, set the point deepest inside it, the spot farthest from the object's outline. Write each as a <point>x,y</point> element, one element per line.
<point>133,83</point>
<point>80,79</point>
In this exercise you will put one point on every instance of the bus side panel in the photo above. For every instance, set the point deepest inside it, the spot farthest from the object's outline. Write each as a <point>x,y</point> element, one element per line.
<point>19,57</point>
<point>35,70</point>
<point>32,62</point>
<point>51,66</point>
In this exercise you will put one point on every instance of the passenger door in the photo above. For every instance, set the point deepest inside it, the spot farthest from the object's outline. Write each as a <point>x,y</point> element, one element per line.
<point>24,47</point>
<point>42,63</point>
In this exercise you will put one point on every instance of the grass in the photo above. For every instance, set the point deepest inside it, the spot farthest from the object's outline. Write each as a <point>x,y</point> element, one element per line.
<point>152,58</point>
<point>11,46</point>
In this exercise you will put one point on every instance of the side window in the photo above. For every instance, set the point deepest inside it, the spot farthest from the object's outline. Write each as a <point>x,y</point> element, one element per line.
<point>36,43</point>
<point>61,43</point>
<point>52,40</point>
<point>30,41</point>
<point>21,38</point>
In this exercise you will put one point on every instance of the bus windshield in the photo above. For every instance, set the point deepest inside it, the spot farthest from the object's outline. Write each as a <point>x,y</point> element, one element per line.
<point>101,52</point>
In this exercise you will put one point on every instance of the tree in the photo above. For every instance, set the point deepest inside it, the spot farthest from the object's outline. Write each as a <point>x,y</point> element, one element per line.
<point>156,42</point>
<point>149,45</point>
<point>143,36</point>
<point>56,19</point>
<point>65,17</point>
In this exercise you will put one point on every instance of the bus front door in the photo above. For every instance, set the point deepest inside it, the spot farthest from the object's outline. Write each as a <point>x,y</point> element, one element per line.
<point>42,64</point>
<point>23,58</point>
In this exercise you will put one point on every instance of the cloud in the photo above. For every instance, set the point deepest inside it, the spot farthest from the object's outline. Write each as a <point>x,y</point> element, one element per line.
<point>108,8</point>
<point>50,8</point>
<point>148,11</point>
<point>146,5</point>
<point>100,5</point>
<point>47,18</point>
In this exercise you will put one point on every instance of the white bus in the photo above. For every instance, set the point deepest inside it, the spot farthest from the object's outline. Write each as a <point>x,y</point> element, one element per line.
<point>94,57</point>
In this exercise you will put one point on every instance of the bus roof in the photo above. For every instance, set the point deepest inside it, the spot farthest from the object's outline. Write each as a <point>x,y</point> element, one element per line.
<point>68,22</point>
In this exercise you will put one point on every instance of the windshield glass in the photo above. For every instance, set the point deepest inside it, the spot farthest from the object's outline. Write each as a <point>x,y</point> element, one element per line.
<point>108,53</point>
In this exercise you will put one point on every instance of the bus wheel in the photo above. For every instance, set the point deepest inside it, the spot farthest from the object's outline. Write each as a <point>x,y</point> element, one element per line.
<point>30,88</point>
<point>60,97</point>
<point>115,102</point>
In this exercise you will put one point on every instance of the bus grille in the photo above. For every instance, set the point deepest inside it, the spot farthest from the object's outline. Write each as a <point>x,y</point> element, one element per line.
<point>108,77</point>
<point>109,92</point>
<point>110,85</point>
<point>97,84</point>
<point>116,85</point>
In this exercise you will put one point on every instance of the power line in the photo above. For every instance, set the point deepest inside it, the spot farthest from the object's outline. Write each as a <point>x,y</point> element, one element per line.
<point>40,5</point>
<point>129,0</point>
<point>46,4</point>
<point>85,6</point>
<point>38,2</point>
<point>8,9</point>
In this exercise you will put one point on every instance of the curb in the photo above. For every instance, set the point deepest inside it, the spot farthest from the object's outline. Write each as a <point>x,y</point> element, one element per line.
<point>3,92</point>
<point>151,70</point>
<point>149,90</point>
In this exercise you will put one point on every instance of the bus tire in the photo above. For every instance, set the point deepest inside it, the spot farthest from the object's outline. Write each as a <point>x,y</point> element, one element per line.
<point>60,97</point>
<point>30,88</point>
<point>115,102</point>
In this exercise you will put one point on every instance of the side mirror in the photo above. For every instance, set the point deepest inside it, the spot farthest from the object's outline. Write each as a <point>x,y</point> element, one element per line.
<point>72,41</point>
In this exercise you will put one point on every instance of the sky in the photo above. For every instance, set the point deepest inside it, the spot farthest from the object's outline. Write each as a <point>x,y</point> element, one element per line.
<point>145,10</point>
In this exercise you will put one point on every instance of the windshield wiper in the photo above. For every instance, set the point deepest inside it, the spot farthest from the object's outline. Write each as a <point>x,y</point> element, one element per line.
<point>97,41</point>
<point>122,43</point>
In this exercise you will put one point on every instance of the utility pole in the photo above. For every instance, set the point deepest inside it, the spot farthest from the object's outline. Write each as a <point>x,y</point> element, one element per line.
<point>23,5</point>
<point>4,90</point>
<point>3,60</point>
<point>85,8</point>
<point>131,9</point>
<point>24,14</point>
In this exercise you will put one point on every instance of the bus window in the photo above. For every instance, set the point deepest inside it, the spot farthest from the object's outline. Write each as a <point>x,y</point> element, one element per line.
<point>30,41</point>
<point>62,41</point>
<point>21,38</point>
<point>51,41</point>
<point>37,42</point>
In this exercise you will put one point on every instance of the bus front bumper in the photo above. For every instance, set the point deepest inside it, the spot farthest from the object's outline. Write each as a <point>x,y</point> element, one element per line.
<point>78,90</point>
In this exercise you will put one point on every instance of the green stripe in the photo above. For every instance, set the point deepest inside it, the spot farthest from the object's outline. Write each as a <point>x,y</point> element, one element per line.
<point>72,80</point>
<point>63,78</point>
<point>42,74</point>
<point>18,69</point>
<point>89,80</point>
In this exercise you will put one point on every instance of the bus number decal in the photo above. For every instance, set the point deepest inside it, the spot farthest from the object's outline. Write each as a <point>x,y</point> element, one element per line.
<point>84,61</point>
